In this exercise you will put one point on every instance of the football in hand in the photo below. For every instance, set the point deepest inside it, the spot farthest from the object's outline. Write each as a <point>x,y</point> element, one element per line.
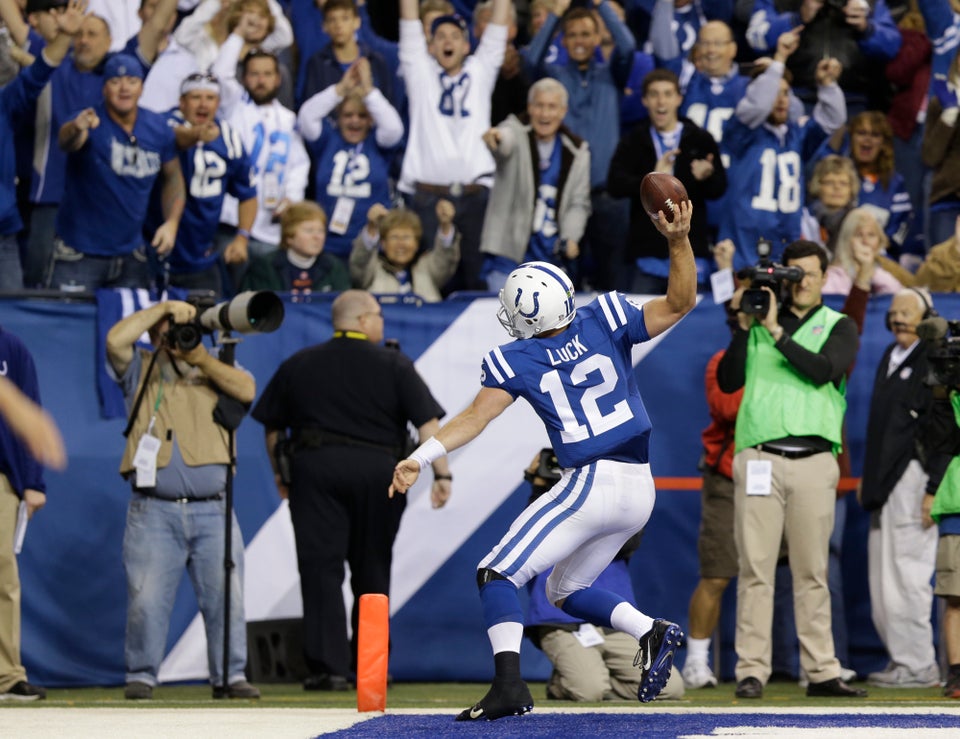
<point>660,191</point>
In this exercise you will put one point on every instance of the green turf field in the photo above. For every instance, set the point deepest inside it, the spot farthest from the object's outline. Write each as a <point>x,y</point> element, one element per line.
<point>455,696</point>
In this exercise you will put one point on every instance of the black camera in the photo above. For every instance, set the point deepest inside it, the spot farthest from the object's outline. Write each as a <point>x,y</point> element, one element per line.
<point>250,312</point>
<point>766,273</point>
<point>944,355</point>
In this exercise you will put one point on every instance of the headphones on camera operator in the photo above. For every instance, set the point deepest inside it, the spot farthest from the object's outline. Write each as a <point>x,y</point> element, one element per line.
<point>928,310</point>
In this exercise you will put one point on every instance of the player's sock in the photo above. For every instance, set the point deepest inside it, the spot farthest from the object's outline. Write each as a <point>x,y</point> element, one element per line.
<point>698,649</point>
<point>628,619</point>
<point>503,616</point>
<point>507,664</point>
<point>593,605</point>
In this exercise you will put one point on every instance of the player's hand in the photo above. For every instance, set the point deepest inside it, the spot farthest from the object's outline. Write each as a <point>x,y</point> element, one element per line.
<point>788,43</point>
<point>491,138</point>
<point>404,475</point>
<point>828,71</point>
<point>33,426</point>
<point>70,19</point>
<point>678,229</point>
<point>165,237</point>
<point>236,251</point>
<point>440,493</point>
<point>86,119</point>
<point>701,169</point>
<point>35,500</point>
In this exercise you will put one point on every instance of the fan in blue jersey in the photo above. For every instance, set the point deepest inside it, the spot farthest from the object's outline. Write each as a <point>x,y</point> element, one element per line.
<point>574,367</point>
<point>214,165</point>
<point>350,157</point>
<point>116,152</point>
<point>767,152</point>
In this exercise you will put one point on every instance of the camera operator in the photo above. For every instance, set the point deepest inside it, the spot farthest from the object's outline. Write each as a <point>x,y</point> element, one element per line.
<point>940,442</point>
<point>176,460</point>
<point>791,362</point>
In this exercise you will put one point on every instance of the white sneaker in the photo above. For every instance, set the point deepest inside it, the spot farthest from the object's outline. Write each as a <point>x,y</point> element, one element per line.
<point>846,675</point>
<point>698,675</point>
<point>898,676</point>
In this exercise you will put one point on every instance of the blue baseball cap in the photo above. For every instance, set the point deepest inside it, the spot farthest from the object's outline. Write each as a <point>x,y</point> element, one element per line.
<point>122,65</point>
<point>455,18</point>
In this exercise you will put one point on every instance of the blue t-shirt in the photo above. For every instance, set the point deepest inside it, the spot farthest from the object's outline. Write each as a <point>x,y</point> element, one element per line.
<point>210,171</point>
<point>581,383</point>
<point>70,92</point>
<point>108,185</point>
<point>16,462</point>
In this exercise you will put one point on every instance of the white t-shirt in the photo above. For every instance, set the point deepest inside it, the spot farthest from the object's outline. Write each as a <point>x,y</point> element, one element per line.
<point>448,115</point>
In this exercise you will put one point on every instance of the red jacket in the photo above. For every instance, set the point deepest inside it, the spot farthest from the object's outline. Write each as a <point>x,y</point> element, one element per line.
<point>718,436</point>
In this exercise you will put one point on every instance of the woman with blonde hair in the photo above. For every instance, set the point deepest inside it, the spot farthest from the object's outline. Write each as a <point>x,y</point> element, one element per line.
<point>260,23</point>
<point>858,257</point>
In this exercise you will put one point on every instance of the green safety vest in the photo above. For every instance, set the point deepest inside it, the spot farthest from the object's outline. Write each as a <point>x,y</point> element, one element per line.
<point>778,401</point>
<point>947,500</point>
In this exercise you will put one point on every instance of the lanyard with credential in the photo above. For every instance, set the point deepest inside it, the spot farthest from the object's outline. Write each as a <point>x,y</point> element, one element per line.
<point>156,408</point>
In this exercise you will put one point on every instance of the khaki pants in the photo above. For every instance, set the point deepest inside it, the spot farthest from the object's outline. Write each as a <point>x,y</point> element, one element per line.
<point>11,671</point>
<point>598,673</point>
<point>800,507</point>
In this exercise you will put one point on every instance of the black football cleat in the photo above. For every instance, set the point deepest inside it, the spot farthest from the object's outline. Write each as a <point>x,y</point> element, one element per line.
<point>503,699</point>
<point>655,657</point>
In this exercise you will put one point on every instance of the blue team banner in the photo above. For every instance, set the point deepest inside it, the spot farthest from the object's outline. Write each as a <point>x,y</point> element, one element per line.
<point>74,590</point>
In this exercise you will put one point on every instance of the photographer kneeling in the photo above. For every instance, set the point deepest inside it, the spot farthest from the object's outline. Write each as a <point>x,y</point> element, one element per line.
<point>176,459</point>
<point>791,361</point>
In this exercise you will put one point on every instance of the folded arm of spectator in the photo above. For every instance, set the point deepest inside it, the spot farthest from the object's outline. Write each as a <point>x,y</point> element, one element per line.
<point>281,37</point>
<point>192,30</point>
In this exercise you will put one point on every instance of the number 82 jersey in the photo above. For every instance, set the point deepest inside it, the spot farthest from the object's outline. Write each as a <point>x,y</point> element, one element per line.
<point>581,383</point>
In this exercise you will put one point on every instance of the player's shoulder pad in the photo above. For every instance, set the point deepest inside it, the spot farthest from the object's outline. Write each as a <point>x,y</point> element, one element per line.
<point>614,309</point>
<point>497,363</point>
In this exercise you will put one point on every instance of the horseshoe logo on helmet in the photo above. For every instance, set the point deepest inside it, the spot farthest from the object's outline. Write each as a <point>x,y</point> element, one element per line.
<point>536,304</point>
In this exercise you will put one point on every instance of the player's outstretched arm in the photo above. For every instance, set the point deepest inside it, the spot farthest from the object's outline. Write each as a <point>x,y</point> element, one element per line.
<point>33,425</point>
<point>489,403</point>
<point>660,314</point>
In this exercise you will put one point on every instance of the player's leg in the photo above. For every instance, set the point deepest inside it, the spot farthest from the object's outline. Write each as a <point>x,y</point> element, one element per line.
<point>549,528</point>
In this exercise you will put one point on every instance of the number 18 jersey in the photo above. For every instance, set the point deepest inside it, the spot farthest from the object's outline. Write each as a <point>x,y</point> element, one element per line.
<point>581,383</point>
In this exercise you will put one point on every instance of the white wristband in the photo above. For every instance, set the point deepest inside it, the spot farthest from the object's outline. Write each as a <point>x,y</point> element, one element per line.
<point>428,452</point>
